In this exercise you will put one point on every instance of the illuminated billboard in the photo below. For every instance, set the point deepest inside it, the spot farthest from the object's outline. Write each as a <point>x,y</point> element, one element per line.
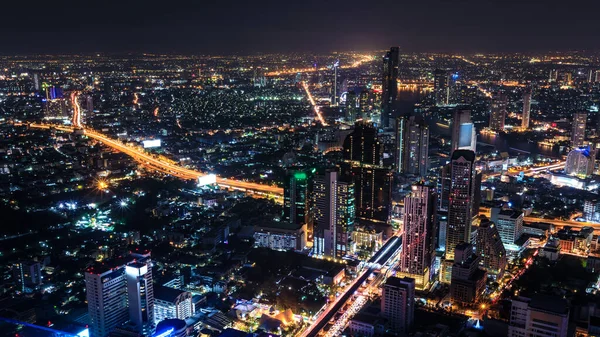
<point>208,179</point>
<point>151,143</point>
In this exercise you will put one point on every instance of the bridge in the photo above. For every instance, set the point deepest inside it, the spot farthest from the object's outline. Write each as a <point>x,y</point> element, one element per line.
<point>163,166</point>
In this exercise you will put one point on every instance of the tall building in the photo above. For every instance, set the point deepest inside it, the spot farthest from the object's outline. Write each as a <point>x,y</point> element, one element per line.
<point>498,111</point>
<point>362,153</point>
<point>464,135</point>
<point>581,161</point>
<point>539,316</point>
<point>441,86</point>
<point>412,145</point>
<point>490,249</point>
<point>334,214</point>
<point>510,226</point>
<point>444,187</point>
<point>419,236</point>
<point>526,109</point>
<point>27,275</point>
<point>352,106</point>
<point>468,280</point>
<point>335,100</point>
<point>295,198</point>
<point>578,134</point>
<point>391,62</point>
<point>106,293</point>
<point>398,303</point>
<point>461,200</point>
<point>172,303</point>
<point>140,294</point>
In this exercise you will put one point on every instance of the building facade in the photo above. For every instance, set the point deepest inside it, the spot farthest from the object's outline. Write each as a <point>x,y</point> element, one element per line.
<point>391,62</point>
<point>498,111</point>
<point>398,303</point>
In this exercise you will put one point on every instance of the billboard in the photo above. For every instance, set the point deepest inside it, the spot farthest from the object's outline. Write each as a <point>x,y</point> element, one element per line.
<point>207,180</point>
<point>151,143</point>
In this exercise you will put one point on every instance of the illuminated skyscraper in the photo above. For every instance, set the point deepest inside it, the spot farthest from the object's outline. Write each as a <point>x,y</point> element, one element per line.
<point>498,111</point>
<point>468,280</point>
<point>419,235</point>
<point>295,198</point>
<point>581,161</point>
<point>106,293</point>
<point>333,214</point>
<point>362,165</point>
<point>578,133</point>
<point>464,135</point>
<point>461,200</point>
<point>391,62</point>
<point>412,145</point>
<point>352,106</point>
<point>526,109</point>
<point>140,294</point>
<point>490,248</point>
<point>441,86</point>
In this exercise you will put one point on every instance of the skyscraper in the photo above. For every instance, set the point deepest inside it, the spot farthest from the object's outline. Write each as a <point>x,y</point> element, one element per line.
<point>391,62</point>
<point>464,135</point>
<point>419,235</point>
<point>526,109</point>
<point>498,111</point>
<point>140,294</point>
<point>412,145</point>
<point>27,274</point>
<point>490,249</point>
<point>334,214</point>
<point>352,106</point>
<point>106,294</point>
<point>398,303</point>
<point>578,134</point>
<point>510,226</point>
<point>441,86</point>
<point>539,316</point>
<point>581,161</point>
<point>461,200</point>
<point>362,152</point>
<point>468,280</point>
<point>295,198</point>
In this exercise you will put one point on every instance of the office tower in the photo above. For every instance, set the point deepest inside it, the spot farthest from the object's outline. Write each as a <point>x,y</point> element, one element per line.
<point>590,76</point>
<point>336,65</point>
<point>498,111</point>
<point>37,84</point>
<point>27,275</point>
<point>468,280</point>
<point>591,210</point>
<point>140,294</point>
<point>461,200</point>
<point>444,187</point>
<point>441,86</point>
<point>172,303</point>
<point>510,226</point>
<point>295,198</point>
<point>490,249</point>
<point>581,161</point>
<point>553,75</point>
<point>526,109</point>
<point>352,106</point>
<point>106,294</point>
<point>419,235</point>
<point>412,145</point>
<point>464,135</point>
<point>539,316</point>
<point>391,62</point>
<point>398,303</point>
<point>362,165</point>
<point>568,78</point>
<point>334,214</point>
<point>578,134</point>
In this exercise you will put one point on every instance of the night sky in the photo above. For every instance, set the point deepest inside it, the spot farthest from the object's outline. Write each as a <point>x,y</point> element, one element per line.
<point>226,26</point>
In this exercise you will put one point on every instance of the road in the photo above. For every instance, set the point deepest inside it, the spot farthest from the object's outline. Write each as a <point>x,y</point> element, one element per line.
<point>558,224</point>
<point>175,170</point>
<point>527,172</point>
<point>387,253</point>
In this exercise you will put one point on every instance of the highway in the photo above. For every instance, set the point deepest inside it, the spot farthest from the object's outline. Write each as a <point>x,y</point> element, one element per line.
<point>387,253</point>
<point>175,170</point>
<point>528,172</point>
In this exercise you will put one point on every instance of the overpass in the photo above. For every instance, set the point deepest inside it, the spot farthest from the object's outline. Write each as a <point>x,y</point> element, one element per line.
<point>175,170</point>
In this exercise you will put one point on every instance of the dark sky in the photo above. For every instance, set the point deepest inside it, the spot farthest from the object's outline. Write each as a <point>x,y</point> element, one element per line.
<point>175,26</point>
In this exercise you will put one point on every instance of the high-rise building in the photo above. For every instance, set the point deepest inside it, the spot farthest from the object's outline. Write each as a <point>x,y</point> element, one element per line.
<point>581,161</point>
<point>578,134</point>
<point>362,152</point>
<point>490,249</point>
<point>140,295</point>
<point>444,187</point>
<point>464,135</point>
<point>27,274</point>
<point>498,111</point>
<point>441,86</point>
<point>398,303</point>
<point>510,226</point>
<point>334,213</point>
<point>106,293</point>
<point>295,198</point>
<point>468,280</point>
<point>539,316</point>
<point>172,303</point>
<point>352,106</point>
<point>419,236</point>
<point>526,109</point>
<point>335,97</point>
<point>553,75</point>
<point>412,145</point>
<point>89,104</point>
<point>391,62</point>
<point>461,200</point>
